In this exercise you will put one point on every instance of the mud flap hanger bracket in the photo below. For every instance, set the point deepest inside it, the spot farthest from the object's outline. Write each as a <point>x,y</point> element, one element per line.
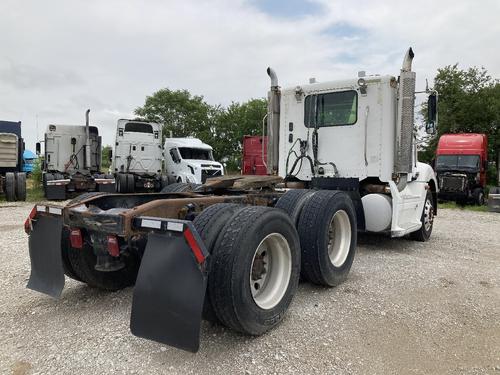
<point>170,288</point>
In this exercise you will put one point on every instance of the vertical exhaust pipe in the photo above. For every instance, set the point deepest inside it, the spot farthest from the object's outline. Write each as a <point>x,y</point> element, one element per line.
<point>87,140</point>
<point>273,123</point>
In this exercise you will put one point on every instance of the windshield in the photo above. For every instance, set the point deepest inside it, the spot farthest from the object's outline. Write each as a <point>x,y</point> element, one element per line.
<point>460,162</point>
<point>196,153</point>
<point>138,127</point>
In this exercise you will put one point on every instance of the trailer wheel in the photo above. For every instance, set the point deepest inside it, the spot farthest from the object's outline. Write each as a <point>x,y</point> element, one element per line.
<point>10,187</point>
<point>427,220</point>
<point>21,186</point>
<point>83,261</point>
<point>293,201</point>
<point>328,235</point>
<point>130,183</point>
<point>209,224</point>
<point>255,269</point>
<point>179,187</point>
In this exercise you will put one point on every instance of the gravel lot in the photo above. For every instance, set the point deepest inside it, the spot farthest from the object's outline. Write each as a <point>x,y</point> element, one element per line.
<point>407,308</point>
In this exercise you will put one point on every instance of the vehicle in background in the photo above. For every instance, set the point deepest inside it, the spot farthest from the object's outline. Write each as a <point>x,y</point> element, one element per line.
<point>137,157</point>
<point>29,158</point>
<point>12,177</point>
<point>72,161</point>
<point>190,160</point>
<point>461,165</point>
<point>253,161</point>
<point>494,193</point>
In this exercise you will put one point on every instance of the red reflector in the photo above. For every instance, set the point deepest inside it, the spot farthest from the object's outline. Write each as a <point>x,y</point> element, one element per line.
<point>76,239</point>
<point>113,247</point>
<point>27,224</point>
<point>198,253</point>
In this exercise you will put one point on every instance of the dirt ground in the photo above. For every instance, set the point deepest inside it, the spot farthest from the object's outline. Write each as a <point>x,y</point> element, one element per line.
<point>407,308</point>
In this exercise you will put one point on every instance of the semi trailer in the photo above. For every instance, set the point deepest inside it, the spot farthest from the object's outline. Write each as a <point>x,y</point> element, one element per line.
<point>341,159</point>
<point>72,161</point>
<point>461,165</point>
<point>137,157</point>
<point>12,177</point>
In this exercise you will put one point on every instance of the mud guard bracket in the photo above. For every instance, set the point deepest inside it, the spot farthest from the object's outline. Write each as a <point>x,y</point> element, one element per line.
<point>47,273</point>
<point>170,288</point>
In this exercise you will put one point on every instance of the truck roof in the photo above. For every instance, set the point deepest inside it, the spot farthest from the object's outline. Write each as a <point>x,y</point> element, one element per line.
<point>186,142</point>
<point>344,84</point>
<point>462,143</point>
<point>11,127</point>
<point>70,129</point>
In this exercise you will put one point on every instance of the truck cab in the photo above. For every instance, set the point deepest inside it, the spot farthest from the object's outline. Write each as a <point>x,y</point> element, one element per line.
<point>357,135</point>
<point>137,156</point>
<point>190,160</point>
<point>461,163</point>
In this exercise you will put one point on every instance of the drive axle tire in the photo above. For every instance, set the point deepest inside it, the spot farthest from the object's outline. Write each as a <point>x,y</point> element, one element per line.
<point>478,195</point>
<point>179,187</point>
<point>121,183</point>
<point>293,201</point>
<point>255,269</point>
<point>65,248</point>
<point>208,224</point>
<point>130,183</point>
<point>427,220</point>
<point>83,261</point>
<point>85,196</point>
<point>328,235</point>
<point>10,187</point>
<point>21,186</point>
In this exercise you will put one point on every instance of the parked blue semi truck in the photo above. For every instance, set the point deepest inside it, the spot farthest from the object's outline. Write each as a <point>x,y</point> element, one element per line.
<point>12,177</point>
<point>29,158</point>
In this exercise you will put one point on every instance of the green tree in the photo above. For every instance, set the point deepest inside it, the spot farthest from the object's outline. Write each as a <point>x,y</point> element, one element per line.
<point>105,159</point>
<point>189,115</point>
<point>469,102</point>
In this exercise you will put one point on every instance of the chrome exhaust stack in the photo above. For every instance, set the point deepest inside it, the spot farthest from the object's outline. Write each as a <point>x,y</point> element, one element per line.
<point>273,123</point>
<point>87,140</point>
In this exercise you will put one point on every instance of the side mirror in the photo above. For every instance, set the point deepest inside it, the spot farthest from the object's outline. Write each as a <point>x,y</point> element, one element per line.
<point>430,127</point>
<point>110,155</point>
<point>38,148</point>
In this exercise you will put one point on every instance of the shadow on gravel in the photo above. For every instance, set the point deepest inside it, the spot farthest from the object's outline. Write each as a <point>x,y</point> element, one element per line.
<point>380,242</point>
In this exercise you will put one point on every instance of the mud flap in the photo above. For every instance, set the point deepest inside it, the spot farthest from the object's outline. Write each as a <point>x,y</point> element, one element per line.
<point>47,273</point>
<point>170,289</point>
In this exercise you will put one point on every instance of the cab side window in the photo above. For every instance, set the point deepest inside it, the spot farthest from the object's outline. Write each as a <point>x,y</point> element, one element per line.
<point>174,154</point>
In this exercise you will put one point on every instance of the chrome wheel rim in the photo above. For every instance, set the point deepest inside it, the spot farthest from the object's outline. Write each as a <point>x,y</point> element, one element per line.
<point>428,215</point>
<point>271,270</point>
<point>339,238</point>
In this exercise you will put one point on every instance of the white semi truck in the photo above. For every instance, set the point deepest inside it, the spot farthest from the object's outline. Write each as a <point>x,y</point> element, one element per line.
<point>137,157</point>
<point>190,160</point>
<point>72,161</point>
<point>341,159</point>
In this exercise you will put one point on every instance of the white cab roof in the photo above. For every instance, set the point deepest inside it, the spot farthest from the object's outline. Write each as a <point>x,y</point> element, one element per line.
<point>186,142</point>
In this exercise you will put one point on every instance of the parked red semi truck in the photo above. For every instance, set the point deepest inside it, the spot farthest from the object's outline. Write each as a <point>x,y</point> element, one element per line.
<point>461,164</point>
<point>254,155</point>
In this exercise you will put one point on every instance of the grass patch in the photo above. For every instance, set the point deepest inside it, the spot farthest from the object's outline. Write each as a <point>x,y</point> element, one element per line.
<point>454,206</point>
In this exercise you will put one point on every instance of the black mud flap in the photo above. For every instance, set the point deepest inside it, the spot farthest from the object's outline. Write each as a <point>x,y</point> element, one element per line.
<point>170,289</point>
<point>47,273</point>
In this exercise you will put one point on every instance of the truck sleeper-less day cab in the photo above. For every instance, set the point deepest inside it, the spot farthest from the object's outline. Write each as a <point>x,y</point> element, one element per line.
<point>461,165</point>
<point>72,161</point>
<point>12,176</point>
<point>137,157</point>
<point>341,158</point>
<point>190,160</point>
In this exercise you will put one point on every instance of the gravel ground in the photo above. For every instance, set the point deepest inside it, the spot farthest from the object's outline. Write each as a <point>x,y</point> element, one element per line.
<point>407,308</point>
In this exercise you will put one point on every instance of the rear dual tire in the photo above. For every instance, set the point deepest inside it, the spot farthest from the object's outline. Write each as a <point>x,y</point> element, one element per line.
<point>327,227</point>
<point>15,186</point>
<point>254,267</point>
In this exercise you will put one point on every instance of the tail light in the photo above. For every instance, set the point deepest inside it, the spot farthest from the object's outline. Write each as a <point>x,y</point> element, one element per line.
<point>76,239</point>
<point>113,246</point>
<point>28,227</point>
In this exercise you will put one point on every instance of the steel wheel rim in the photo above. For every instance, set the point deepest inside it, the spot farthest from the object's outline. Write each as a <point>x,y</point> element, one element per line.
<point>270,271</point>
<point>428,215</point>
<point>339,238</point>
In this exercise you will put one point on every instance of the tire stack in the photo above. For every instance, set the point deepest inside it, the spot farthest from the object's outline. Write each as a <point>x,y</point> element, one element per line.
<point>15,186</point>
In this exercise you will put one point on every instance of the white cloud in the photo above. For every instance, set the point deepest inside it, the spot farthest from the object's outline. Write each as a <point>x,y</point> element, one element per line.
<point>59,57</point>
